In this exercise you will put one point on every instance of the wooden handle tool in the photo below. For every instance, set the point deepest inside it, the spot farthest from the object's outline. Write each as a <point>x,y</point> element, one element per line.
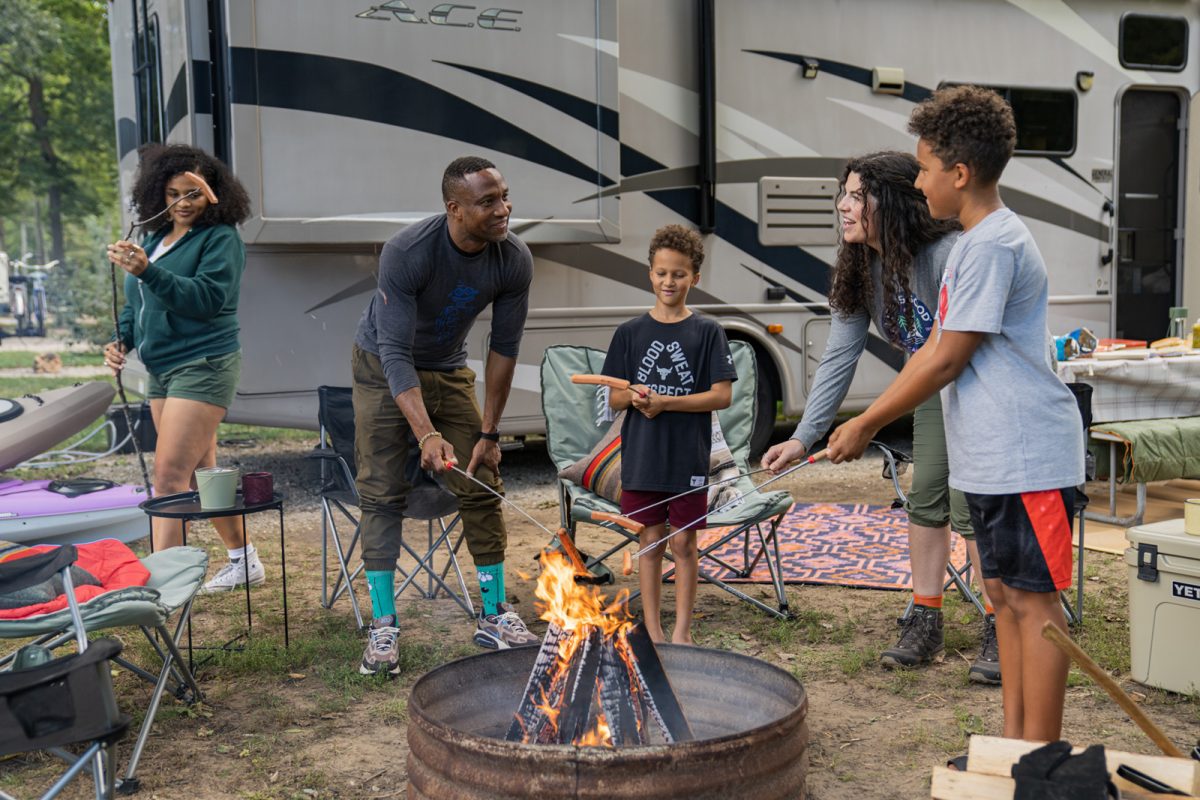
<point>1055,634</point>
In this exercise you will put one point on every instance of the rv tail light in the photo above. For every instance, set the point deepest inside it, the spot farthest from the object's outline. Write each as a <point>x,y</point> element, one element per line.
<point>775,328</point>
<point>887,80</point>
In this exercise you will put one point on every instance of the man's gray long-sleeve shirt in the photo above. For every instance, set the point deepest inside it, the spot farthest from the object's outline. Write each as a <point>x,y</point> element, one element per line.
<point>848,337</point>
<point>429,295</point>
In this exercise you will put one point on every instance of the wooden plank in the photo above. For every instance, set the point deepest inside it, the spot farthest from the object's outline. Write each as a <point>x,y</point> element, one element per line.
<point>622,712</point>
<point>950,784</point>
<point>530,718</point>
<point>993,755</point>
<point>579,693</point>
<point>657,693</point>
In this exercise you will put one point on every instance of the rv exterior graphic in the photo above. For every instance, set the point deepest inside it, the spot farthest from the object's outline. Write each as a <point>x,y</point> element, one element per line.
<point>610,118</point>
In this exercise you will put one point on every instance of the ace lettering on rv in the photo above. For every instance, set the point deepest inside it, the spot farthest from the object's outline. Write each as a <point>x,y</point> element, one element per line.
<point>400,11</point>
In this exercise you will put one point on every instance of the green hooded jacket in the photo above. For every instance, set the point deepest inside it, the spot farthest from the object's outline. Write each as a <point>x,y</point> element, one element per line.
<point>184,305</point>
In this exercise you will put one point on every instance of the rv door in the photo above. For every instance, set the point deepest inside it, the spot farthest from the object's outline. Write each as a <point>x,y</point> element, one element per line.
<point>1150,173</point>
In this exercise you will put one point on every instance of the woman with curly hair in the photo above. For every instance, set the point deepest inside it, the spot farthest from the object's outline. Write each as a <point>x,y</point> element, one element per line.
<point>889,268</point>
<point>181,299</point>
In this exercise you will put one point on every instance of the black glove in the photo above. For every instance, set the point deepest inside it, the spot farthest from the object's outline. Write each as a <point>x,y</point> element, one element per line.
<point>1052,773</point>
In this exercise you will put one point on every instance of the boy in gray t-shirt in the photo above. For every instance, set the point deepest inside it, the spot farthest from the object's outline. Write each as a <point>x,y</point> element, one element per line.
<point>1013,431</point>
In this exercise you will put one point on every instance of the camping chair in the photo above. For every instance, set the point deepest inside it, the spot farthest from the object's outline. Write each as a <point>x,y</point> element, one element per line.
<point>894,463</point>
<point>428,501</point>
<point>175,576</point>
<point>64,701</point>
<point>571,433</point>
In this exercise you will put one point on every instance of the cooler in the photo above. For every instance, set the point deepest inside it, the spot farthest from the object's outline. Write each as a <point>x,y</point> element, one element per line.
<point>1164,606</point>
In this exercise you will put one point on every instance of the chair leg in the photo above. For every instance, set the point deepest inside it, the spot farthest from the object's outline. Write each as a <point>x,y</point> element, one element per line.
<point>425,564</point>
<point>130,782</point>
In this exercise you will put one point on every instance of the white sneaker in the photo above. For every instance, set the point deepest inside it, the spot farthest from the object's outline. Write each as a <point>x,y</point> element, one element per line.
<point>233,574</point>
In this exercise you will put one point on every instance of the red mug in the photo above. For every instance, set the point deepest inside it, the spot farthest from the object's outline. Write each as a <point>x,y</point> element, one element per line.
<point>257,488</point>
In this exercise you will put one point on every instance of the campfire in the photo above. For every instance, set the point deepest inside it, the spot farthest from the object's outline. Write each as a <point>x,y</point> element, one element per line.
<point>597,680</point>
<point>596,715</point>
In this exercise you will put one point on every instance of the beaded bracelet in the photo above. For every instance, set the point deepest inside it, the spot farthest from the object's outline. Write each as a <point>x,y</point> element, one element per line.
<point>421,442</point>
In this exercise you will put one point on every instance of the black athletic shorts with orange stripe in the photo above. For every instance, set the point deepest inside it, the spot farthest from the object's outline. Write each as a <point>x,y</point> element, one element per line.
<point>1024,539</point>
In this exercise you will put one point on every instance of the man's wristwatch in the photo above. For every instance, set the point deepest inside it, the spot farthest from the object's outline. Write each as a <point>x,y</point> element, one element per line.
<point>490,437</point>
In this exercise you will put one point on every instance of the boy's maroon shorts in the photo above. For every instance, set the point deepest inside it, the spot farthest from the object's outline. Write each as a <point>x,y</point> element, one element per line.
<point>682,510</point>
<point>1025,539</point>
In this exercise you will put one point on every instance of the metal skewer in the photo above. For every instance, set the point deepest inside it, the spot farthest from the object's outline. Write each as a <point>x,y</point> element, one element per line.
<point>804,463</point>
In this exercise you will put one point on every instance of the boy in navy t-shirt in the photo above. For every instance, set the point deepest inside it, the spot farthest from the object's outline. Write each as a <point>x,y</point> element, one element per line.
<point>680,370</point>
<point>1013,431</point>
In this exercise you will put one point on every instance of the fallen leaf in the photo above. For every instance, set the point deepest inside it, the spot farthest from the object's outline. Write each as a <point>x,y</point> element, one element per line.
<point>1138,697</point>
<point>297,676</point>
<point>203,732</point>
<point>274,776</point>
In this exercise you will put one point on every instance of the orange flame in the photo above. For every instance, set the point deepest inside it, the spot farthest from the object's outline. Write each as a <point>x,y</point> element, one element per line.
<point>577,609</point>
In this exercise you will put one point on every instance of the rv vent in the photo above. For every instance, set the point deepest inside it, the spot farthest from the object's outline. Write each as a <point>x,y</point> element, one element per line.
<point>797,211</point>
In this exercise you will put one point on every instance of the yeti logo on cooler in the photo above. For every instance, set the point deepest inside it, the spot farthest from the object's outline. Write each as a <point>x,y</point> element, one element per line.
<point>1188,591</point>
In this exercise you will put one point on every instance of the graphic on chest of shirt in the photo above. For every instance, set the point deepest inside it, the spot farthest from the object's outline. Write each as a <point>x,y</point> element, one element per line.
<point>665,369</point>
<point>450,320</point>
<point>912,339</point>
<point>944,293</point>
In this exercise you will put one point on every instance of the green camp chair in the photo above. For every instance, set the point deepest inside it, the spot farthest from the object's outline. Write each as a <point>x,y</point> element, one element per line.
<point>175,576</point>
<point>571,432</point>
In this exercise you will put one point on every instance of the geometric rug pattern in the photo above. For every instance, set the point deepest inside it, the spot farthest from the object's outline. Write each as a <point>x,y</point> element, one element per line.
<point>848,544</point>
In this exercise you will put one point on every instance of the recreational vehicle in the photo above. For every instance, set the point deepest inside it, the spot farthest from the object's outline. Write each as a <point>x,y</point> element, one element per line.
<point>610,118</point>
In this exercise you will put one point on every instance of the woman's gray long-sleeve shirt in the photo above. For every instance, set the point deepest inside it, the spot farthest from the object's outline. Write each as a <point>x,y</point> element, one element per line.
<point>848,337</point>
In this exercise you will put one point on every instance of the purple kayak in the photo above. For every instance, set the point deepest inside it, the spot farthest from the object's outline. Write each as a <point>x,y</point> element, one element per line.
<point>70,511</point>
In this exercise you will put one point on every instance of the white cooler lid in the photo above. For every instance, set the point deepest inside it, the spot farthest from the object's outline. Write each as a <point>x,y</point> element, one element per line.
<point>1168,537</point>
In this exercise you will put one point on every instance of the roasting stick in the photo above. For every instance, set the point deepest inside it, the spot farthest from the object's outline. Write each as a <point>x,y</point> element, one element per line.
<point>206,190</point>
<point>814,458</point>
<point>1064,643</point>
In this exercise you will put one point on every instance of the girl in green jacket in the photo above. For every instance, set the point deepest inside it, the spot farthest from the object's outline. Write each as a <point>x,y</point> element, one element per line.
<point>181,316</point>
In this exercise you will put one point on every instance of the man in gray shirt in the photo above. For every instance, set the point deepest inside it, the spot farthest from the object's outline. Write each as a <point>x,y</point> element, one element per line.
<point>411,382</point>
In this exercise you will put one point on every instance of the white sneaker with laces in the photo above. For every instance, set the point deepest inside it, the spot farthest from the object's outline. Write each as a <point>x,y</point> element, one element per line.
<point>233,574</point>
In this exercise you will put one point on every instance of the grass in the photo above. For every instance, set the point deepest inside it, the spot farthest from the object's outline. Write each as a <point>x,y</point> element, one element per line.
<point>23,359</point>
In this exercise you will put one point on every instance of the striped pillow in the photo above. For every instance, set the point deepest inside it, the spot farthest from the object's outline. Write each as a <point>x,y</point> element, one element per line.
<point>600,470</point>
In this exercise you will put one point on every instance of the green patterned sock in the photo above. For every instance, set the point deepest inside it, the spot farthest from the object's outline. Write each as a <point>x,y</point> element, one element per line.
<point>491,587</point>
<point>382,585</point>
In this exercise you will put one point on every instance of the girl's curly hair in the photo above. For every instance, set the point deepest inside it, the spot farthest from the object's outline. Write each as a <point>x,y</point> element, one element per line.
<point>904,227</point>
<point>160,163</point>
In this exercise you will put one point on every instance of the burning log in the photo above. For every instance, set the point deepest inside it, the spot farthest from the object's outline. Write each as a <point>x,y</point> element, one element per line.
<point>657,694</point>
<point>597,677</point>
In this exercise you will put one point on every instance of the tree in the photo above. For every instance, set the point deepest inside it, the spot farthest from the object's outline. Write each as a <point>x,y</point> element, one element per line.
<point>57,127</point>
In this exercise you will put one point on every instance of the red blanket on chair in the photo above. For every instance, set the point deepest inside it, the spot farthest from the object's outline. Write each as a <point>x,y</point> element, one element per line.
<point>111,562</point>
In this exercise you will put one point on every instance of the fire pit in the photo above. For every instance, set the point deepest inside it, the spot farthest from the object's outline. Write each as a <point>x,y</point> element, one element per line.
<point>599,712</point>
<point>747,717</point>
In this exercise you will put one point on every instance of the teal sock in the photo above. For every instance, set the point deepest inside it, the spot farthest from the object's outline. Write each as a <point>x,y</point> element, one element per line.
<point>382,585</point>
<point>491,587</point>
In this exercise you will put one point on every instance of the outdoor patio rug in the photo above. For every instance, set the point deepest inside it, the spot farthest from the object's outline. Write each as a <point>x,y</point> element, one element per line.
<point>847,544</point>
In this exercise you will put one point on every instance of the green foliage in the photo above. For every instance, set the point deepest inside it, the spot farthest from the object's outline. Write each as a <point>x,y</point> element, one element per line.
<point>57,153</point>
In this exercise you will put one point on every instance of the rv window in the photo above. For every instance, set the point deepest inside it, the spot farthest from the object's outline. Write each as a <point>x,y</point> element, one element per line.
<point>1046,118</point>
<point>1150,42</point>
<point>147,77</point>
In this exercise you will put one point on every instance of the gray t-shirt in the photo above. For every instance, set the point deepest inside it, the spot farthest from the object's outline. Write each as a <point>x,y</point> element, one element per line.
<point>1011,425</point>
<point>429,295</point>
<point>848,337</point>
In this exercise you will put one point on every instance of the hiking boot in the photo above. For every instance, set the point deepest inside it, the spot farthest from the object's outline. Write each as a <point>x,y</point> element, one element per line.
<point>382,656</point>
<point>986,668</point>
<point>502,631</point>
<point>233,574</point>
<point>921,640</point>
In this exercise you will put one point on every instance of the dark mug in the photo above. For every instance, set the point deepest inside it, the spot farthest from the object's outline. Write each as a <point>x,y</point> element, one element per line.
<point>257,488</point>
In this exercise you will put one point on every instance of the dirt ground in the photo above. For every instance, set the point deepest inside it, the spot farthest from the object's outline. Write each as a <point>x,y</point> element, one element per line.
<point>301,723</point>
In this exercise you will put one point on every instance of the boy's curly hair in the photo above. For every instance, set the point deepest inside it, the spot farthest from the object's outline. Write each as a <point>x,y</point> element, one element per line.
<point>967,125</point>
<point>681,239</point>
<point>160,163</point>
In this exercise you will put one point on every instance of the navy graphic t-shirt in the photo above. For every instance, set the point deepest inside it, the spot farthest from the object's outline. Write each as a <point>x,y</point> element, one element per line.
<point>669,453</point>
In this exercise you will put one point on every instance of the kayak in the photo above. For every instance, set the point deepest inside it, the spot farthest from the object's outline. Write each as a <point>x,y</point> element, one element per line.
<point>33,424</point>
<point>70,511</point>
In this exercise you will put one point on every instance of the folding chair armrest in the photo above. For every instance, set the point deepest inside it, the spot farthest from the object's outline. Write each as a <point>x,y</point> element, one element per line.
<point>323,453</point>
